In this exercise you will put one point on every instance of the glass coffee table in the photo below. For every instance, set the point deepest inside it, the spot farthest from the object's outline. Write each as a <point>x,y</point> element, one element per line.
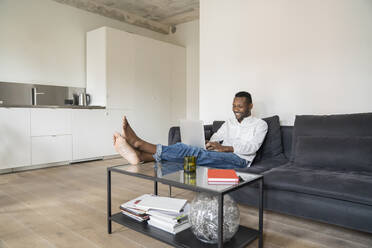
<point>172,174</point>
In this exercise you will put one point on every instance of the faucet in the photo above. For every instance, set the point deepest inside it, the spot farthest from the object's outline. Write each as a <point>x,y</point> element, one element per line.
<point>34,94</point>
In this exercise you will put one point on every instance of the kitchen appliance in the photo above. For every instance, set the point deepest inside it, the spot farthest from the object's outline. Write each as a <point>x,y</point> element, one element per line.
<point>84,99</point>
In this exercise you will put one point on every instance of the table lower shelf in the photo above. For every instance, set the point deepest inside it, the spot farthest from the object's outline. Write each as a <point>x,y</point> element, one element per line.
<point>185,238</point>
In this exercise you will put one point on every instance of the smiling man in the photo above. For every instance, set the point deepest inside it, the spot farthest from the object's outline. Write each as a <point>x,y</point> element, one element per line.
<point>242,135</point>
<point>234,145</point>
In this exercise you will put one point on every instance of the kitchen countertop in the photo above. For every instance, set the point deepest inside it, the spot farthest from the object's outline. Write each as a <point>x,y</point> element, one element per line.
<point>52,106</point>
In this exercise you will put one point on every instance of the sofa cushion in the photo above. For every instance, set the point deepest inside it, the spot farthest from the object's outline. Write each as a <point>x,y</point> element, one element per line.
<point>265,165</point>
<point>174,135</point>
<point>272,145</point>
<point>353,187</point>
<point>331,125</point>
<point>339,153</point>
<point>287,132</point>
<point>216,125</point>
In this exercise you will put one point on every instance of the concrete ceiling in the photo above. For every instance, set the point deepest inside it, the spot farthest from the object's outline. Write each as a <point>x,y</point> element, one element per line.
<point>156,15</point>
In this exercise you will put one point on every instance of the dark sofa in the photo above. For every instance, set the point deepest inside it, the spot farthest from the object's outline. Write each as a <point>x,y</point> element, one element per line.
<point>320,168</point>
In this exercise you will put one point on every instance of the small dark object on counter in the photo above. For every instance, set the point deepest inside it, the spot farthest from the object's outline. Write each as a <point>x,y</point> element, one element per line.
<point>76,99</point>
<point>69,102</point>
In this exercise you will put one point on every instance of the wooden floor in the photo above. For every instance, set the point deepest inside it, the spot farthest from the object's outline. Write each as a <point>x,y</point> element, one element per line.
<point>66,207</point>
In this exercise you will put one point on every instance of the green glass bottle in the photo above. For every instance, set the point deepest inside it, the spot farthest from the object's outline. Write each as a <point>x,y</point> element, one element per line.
<point>189,164</point>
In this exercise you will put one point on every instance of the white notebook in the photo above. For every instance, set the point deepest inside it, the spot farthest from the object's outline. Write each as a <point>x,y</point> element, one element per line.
<point>162,203</point>
<point>167,228</point>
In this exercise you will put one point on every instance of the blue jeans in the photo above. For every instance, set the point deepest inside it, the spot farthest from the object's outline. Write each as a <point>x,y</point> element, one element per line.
<point>176,153</point>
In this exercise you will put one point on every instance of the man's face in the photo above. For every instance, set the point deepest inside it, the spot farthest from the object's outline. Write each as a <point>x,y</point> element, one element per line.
<point>241,108</point>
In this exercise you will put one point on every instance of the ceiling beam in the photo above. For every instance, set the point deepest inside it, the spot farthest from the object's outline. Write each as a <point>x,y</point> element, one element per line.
<point>182,17</point>
<point>117,14</point>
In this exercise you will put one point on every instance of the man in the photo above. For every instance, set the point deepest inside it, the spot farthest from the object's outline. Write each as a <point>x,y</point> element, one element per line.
<point>234,145</point>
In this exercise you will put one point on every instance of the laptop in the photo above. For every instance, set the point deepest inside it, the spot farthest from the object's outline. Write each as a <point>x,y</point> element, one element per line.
<point>192,133</point>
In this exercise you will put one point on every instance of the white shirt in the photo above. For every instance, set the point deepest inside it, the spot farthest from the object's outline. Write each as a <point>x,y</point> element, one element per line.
<point>245,137</point>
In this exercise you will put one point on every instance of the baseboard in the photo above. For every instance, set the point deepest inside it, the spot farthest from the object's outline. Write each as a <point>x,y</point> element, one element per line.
<point>85,160</point>
<point>33,167</point>
<point>63,163</point>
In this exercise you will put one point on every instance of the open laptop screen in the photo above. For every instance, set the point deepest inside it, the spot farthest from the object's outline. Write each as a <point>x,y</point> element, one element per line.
<point>192,133</point>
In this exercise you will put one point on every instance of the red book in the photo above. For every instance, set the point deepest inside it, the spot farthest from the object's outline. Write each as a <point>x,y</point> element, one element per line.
<point>221,175</point>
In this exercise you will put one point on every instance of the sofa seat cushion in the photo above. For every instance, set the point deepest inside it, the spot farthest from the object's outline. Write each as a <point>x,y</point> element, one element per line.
<point>353,186</point>
<point>266,164</point>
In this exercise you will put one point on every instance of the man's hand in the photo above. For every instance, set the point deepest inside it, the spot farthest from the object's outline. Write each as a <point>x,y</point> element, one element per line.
<point>216,146</point>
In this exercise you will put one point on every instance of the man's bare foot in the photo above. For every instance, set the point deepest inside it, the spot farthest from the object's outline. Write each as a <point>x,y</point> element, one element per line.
<point>130,135</point>
<point>125,150</point>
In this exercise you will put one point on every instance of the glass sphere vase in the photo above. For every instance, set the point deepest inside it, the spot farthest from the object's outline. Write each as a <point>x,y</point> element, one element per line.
<point>203,217</point>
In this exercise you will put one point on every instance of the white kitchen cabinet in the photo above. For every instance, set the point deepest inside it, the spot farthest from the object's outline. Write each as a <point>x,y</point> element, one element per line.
<point>114,124</point>
<point>92,132</point>
<point>88,136</point>
<point>51,149</point>
<point>46,121</point>
<point>126,71</point>
<point>42,136</point>
<point>51,140</point>
<point>125,68</point>
<point>15,142</point>
<point>120,69</point>
<point>111,127</point>
<point>110,68</point>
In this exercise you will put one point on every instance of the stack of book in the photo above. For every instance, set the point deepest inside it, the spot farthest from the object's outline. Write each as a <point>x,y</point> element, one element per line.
<point>131,210</point>
<point>169,221</point>
<point>168,214</point>
<point>222,176</point>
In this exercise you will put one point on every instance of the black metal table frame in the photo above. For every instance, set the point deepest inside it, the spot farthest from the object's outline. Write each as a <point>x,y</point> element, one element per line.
<point>220,196</point>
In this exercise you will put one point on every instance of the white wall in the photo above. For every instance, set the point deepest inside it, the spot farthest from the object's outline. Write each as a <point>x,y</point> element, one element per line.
<point>187,34</point>
<point>295,57</point>
<point>42,41</point>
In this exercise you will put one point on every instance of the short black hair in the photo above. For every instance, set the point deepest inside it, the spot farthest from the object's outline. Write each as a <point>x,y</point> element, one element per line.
<point>246,95</point>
